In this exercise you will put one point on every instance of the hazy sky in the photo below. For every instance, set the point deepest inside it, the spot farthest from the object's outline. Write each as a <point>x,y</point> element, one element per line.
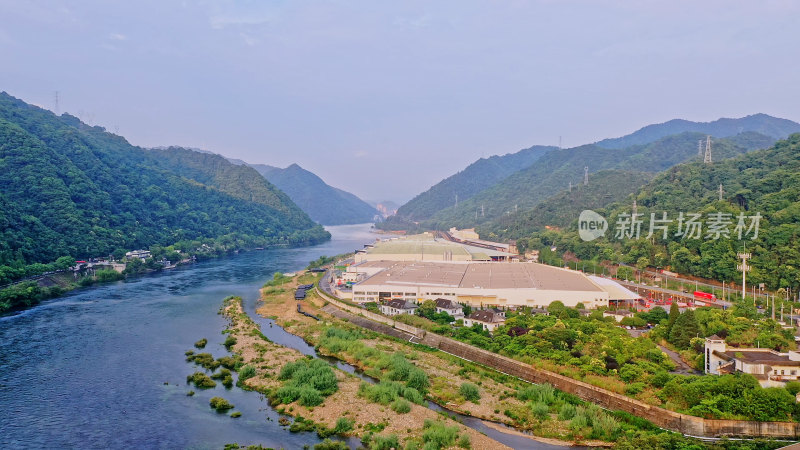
<point>385,98</point>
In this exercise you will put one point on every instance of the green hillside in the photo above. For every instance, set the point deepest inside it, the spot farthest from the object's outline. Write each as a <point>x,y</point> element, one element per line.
<point>67,189</point>
<point>554,171</point>
<point>765,182</point>
<point>559,211</point>
<point>478,176</point>
<point>759,123</point>
<point>323,203</point>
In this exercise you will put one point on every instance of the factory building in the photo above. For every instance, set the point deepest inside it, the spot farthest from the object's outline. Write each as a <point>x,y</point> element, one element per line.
<point>479,284</point>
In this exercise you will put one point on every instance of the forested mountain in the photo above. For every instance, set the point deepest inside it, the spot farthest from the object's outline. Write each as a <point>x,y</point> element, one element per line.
<point>765,183</point>
<point>324,203</point>
<point>68,189</point>
<point>552,173</point>
<point>760,123</point>
<point>480,175</point>
<point>559,211</point>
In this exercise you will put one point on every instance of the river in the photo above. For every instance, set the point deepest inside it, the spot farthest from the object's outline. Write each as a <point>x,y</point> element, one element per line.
<point>104,367</point>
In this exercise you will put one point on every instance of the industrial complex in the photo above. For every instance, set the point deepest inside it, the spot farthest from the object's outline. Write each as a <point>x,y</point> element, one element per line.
<point>458,267</point>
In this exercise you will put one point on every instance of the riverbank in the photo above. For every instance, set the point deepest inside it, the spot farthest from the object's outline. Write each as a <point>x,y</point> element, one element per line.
<point>501,399</point>
<point>345,405</point>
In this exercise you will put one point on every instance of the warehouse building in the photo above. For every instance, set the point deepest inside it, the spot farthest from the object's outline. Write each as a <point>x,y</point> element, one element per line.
<point>479,284</point>
<point>426,247</point>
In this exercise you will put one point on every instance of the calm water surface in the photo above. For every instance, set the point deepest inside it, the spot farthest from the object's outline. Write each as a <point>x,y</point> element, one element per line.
<point>104,367</point>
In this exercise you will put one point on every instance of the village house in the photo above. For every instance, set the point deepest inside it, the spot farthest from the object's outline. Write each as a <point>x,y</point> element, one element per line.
<point>398,306</point>
<point>450,307</point>
<point>769,367</point>
<point>487,318</point>
<point>618,314</point>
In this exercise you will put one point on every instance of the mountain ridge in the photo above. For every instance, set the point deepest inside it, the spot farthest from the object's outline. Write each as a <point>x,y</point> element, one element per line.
<point>324,203</point>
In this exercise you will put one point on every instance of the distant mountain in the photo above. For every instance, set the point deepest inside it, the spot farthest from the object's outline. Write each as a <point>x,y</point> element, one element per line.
<point>560,210</point>
<point>68,189</point>
<point>387,208</point>
<point>482,174</point>
<point>324,203</point>
<point>760,123</point>
<point>553,172</point>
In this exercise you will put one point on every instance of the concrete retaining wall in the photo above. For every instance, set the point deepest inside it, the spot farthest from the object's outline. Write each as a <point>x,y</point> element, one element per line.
<point>682,423</point>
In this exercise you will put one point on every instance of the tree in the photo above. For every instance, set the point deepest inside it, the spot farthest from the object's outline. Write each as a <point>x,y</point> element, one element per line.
<point>673,316</point>
<point>427,309</point>
<point>684,329</point>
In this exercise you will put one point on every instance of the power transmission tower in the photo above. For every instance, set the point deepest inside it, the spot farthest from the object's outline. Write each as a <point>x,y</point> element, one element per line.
<point>456,207</point>
<point>744,267</point>
<point>720,192</point>
<point>700,148</point>
<point>707,157</point>
<point>570,186</point>
<point>586,175</point>
<point>482,215</point>
<point>56,104</point>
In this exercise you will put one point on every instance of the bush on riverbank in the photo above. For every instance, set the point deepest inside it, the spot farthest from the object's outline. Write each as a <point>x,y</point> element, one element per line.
<point>309,380</point>
<point>470,392</point>
<point>201,343</point>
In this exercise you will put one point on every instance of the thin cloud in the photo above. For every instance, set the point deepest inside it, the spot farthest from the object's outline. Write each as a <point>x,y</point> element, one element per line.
<point>118,37</point>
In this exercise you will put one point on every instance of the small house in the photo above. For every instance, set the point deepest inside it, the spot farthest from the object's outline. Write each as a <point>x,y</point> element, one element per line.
<point>488,319</point>
<point>398,306</point>
<point>450,307</point>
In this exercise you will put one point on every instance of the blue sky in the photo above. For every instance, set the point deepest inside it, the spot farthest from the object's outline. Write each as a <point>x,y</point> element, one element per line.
<point>385,98</point>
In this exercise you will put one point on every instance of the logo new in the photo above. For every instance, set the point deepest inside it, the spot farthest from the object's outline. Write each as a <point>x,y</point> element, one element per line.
<point>591,225</point>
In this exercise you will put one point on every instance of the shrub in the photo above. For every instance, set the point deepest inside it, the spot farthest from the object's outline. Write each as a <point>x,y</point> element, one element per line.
<point>245,373</point>
<point>544,393</point>
<point>221,374</point>
<point>190,393</point>
<point>220,404</point>
<point>634,388</point>
<point>437,435</point>
<point>418,380</point>
<point>470,392</point>
<point>401,406</point>
<point>328,444</point>
<point>201,380</point>
<point>578,422</point>
<point>390,442</point>
<point>236,414</point>
<point>343,425</point>
<point>204,359</point>
<point>230,341</point>
<point>310,396</point>
<point>413,396</point>
<point>540,410</point>
<point>201,343</point>
<point>567,411</point>
<point>301,424</point>
<point>604,425</point>
<point>307,379</point>
<point>230,362</point>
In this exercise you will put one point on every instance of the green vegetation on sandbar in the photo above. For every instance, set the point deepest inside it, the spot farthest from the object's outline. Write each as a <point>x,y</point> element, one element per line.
<point>201,343</point>
<point>201,380</point>
<point>220,404</point>
<point>306,380</point>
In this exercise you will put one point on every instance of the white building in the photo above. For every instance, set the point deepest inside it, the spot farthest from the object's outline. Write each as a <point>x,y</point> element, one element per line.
<point>444,305</point>
<point>141,254</point>
<point>488,319</point>
<point>771,368</point>
<point>395,307</point>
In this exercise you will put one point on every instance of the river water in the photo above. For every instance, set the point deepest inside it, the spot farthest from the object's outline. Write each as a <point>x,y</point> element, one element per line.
<point>104,367</point>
